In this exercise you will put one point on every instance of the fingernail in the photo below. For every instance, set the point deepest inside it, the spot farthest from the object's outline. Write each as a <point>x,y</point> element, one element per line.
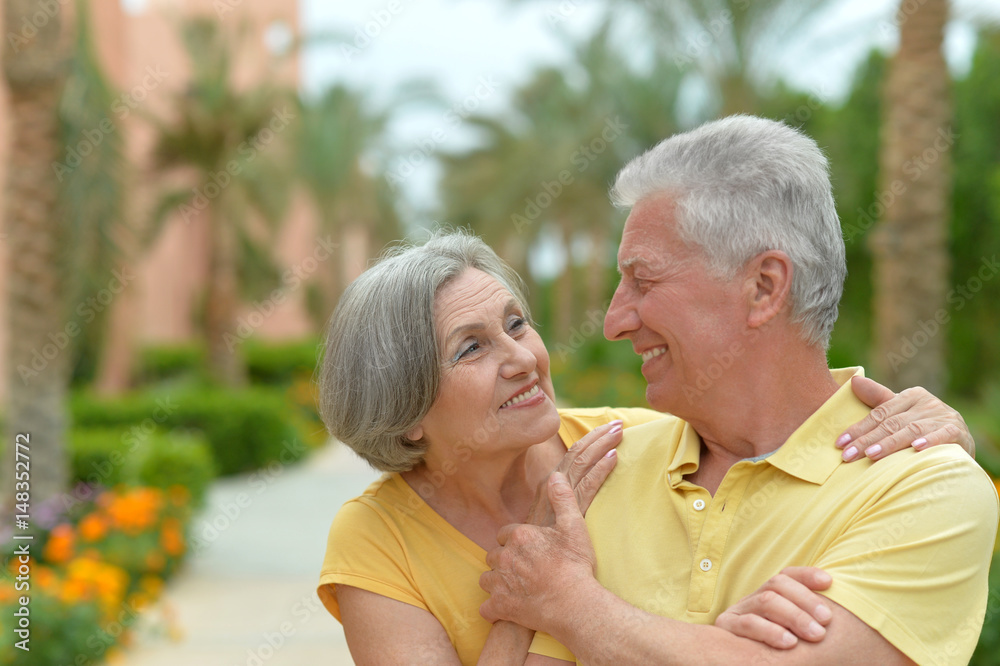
<point>815,629</point>
<point>611,454</point>
<point>849,453</point>
<point>919,443</point>
<point>822,613</point>
<point>615,430</point>
<point>873,451</point>
<point>788,639</point>
<point>842,440</point>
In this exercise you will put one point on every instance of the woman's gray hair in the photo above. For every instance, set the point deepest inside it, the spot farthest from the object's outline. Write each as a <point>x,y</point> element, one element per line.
<point>382,364</point>
<point>745,185</point>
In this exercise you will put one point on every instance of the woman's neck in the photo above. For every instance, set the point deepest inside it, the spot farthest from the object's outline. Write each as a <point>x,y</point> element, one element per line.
<point>482,494</point>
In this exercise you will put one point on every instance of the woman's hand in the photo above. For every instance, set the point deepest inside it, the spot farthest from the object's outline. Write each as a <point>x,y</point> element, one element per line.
<point>586,464</point>
<point>913,417</point>
<point>783,610</point>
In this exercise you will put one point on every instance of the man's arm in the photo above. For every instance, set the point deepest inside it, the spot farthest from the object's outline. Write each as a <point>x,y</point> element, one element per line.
<point>557,566</point>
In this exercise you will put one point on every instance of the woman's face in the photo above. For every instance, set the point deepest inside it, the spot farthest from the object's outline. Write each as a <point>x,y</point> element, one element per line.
<point>495,392</point>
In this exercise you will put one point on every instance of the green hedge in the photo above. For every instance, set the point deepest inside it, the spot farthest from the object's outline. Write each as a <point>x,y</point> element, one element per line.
<point>267,363</point>
<point>110,456</point>
<point>246,429</point>
<point>988,650</point>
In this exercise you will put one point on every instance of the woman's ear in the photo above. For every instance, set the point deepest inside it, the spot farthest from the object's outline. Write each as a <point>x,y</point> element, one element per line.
<point>772,286</point>
<point>415,433</point>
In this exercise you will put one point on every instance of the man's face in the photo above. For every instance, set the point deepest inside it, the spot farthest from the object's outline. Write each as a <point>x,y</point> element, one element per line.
<point>679,318</point>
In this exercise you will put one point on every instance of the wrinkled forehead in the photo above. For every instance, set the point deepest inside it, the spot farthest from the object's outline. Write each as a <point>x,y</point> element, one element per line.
<point>472,296</point>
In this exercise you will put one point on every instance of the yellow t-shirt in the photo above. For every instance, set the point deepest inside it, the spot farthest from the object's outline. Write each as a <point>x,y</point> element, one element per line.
<point>389,541</point>
<point>907,539</point>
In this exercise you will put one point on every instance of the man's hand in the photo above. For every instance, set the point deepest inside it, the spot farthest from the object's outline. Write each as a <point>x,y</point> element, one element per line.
<point>913,417</point>
<point>586,465</point>
<point>783,610</point>
<point>533,567</point>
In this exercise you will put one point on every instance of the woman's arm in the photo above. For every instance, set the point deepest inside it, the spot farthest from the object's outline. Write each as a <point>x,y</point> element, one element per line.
<point>382,631</point>
<point>913,417</point>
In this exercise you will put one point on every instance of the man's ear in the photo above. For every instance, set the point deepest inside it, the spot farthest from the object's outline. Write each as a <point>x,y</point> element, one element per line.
<point>770,278</point>
<point>415,433</point>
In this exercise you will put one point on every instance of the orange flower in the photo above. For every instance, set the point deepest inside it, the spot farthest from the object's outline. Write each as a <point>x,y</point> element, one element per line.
<point>59,548</point>
<point>135,510</point>
<point>179,495</point>
<point>172,537</point>
<point>45,578</point>
<point>93,527</point>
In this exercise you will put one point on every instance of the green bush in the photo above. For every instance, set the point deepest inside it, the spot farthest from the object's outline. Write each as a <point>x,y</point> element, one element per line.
<point>246,429</point>
<point>281,363</point>
<point>988,650</point>
<point>110,456</point>
<point>159,363</point>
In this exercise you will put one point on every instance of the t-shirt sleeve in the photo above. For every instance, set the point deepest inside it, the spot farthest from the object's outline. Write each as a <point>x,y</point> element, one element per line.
<point>547,646</point>
<point>914,563</point>
<point>364,550</point>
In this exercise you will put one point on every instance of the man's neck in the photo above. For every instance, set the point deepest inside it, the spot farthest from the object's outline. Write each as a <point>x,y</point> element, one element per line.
<point>758,414</point>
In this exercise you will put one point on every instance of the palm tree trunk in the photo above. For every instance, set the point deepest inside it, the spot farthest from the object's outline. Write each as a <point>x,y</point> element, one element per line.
<point>225,345</point>
<point>40,340</point>
<point>564,303</point>
<point>909,243</point>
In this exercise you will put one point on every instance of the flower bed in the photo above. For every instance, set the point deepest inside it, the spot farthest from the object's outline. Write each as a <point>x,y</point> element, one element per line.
<point>93,572</point>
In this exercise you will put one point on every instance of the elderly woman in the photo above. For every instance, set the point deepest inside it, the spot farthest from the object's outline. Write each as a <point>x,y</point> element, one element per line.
<point>434,375</point>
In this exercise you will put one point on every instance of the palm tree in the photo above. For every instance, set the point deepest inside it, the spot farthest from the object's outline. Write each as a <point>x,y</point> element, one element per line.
<point>231,141</point>
<point>339,149</point>
<point>35,70</point>
<point>910,242</point>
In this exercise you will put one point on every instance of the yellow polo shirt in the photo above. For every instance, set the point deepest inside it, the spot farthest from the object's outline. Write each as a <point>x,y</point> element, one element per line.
<point>907,539</point>
<point>391,542</point>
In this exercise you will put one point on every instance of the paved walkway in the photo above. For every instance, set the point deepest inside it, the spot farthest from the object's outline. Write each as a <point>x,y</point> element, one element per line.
<point>248,596</point>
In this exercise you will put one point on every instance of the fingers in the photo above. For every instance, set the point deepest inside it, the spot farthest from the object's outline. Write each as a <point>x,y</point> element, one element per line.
<point>813,578</point>
<point>914,417</point>
<point>870,391</point>
<point>568,514</point>
<point>587,489</point>
<point>589,450</point>
<point>786,608</point>
<point>757,629</point>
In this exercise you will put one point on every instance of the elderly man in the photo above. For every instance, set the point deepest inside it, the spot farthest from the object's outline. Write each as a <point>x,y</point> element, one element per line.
<point>732,266</point>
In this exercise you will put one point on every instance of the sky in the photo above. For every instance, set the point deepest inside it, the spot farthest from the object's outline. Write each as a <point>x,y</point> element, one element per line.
<point>476,52</point>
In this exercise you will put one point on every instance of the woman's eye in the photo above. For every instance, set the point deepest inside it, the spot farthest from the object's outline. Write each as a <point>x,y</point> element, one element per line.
<point>518,323</point>
<point>468,349</point>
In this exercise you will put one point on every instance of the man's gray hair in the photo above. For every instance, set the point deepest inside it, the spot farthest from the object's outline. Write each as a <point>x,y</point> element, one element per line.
<point>382,364</point>
<point>745,185</point>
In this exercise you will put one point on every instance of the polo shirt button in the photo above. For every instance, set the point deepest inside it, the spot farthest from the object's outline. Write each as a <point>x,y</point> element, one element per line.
<point>699,504</point>
<point>706,564</point>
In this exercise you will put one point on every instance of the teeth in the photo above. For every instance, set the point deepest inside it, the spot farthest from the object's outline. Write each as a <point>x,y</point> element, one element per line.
<point>653,353</point>
<point>533,391</point>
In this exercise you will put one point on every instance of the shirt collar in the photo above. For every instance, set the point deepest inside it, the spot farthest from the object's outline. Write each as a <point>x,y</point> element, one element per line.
<point>809,453</point>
